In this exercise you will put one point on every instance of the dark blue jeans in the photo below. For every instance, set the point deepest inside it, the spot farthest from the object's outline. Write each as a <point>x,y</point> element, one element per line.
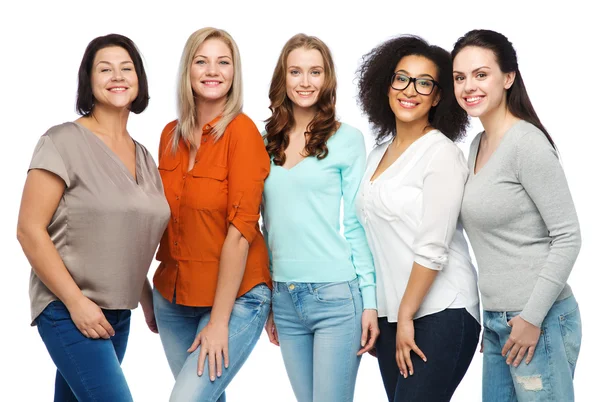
<point>448,339</point>
<point>87,369</point>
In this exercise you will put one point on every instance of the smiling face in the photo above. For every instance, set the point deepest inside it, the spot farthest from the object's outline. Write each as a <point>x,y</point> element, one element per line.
<point>479,84</point>
<point>305,77</point>
<point>408,105</point>
<point>113,78</point>
<point>211,73</point>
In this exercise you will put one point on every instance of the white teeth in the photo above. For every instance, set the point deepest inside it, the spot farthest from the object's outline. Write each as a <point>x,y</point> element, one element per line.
<point>120,89</point>
<point>409,104</point>
<point>304,93</point>
<point>475,99</point>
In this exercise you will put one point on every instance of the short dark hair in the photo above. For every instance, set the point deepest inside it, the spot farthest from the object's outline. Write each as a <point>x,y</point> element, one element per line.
<point>85,97</point>
<point>517,100</point>
<point>374,78</point>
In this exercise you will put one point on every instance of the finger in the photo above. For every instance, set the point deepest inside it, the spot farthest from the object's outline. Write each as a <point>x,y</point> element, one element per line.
<point>201,359</point>
<point>408,361</point>
<point>195,344</point>
<point>93,334</point>
<point>270,332</point>
<point>364,335</point>
<point>513,353</point>
<point>211,364</point>
<point>226,356</point>
<point>519,357</point>
<point>219,357</point>
<point>419,352</point>
<point>371,341</point>
<point>507,346</point>
<point>530,353</point>
<point>107,327</point>
<point>275,336</point>
<point>481,349</point>
<point>101,331</point>
<point>401,363</point>
<point>85,333</point>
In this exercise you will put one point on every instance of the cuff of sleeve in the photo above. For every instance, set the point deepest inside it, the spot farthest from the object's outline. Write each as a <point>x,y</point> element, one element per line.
<point>436,264</point>
<point>540,302</point>
<point>369,297</point>
<point>246,229</point>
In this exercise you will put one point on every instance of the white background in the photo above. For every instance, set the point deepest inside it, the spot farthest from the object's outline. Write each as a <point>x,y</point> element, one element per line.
<point>41,45</point>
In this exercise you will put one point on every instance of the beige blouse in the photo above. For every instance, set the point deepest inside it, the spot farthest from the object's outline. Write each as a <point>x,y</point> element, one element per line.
<point>107,225</point>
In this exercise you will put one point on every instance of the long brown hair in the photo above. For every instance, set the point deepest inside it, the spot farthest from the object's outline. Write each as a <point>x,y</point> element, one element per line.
<point>281,122</point>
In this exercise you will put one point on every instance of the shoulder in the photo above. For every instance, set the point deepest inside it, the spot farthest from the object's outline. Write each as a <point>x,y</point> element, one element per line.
<point>443,151</point>
<point>242,123</point>
<point>529,138</point>
<point>349,133</point>
<point>64,133</point>
<point>169,129</point>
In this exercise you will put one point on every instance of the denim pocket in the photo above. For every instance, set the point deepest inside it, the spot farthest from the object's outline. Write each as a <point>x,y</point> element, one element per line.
<point>333,292</point>
<point>570,328</point>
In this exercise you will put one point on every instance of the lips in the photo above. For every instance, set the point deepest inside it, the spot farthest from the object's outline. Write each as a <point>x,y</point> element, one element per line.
<point>211,83</point>
<point>117,89</point>
<point>407,104</point>
<point>473,100</point>
<point>305,94</point>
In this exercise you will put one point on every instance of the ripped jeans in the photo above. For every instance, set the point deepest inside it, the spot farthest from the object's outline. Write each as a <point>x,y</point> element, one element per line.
<point>549,376</point>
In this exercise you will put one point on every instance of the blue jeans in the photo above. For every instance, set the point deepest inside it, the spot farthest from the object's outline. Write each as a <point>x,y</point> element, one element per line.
<point>448,339</point>
<point>319,329</point>
<point>549,376</point>
<point>87,369</point>
<point>178,325</point>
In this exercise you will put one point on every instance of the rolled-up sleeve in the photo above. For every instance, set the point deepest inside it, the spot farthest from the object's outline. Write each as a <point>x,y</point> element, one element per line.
<point>248,168</point>
<point>443,188</point>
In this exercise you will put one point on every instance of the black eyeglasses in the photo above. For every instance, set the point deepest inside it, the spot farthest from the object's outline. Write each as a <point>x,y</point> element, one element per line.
<point>424,86</point>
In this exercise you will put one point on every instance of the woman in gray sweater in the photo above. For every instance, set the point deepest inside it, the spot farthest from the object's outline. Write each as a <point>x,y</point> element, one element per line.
<point>519,215</point>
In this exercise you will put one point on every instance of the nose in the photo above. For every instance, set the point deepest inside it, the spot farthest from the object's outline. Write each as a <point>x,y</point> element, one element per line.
<point>117,75</point>
<point>410,90</point>
<point>211,69</point>
<point>304,81</point>
<point>470,85</point>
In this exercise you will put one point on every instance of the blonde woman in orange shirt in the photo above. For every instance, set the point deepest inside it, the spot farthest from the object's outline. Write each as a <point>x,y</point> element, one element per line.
<point>212,289</point>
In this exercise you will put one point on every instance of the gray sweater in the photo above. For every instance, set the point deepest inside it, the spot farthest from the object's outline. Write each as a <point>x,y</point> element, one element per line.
<point>520,218</point>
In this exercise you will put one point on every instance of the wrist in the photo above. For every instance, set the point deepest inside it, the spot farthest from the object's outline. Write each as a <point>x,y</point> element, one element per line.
<point>70,301</point>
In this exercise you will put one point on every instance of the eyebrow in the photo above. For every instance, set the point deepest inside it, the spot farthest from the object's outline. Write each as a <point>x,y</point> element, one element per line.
<point>109,63</point>
<point>419,76</point>
<point>206,57</point>
<point>477,69</point>
<point>321,67</point>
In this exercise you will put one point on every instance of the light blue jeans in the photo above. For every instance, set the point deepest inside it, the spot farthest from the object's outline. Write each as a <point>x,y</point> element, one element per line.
<point>549,376</point>
<point>319,329</point>
<point>178,326</point>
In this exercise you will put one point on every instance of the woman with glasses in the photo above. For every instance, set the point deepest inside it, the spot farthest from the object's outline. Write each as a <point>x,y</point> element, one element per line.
<point>324,309</point>
<point>522,224</point>
<point>408,203</point>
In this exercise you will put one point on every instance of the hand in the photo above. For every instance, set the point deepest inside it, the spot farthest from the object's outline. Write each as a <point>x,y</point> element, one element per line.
<point>151,320</point>
<point>214,342</point>
<point>373,352</point>
<point>523,339</point>
<point>370,331</point>
<point>405,342</point>
<point>148,309</point>
<point>481,349</point>
<point>89,319</point>
<point>272,330</point>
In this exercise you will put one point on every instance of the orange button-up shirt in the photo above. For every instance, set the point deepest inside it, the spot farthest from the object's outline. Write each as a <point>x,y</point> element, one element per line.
<point>224,187</point>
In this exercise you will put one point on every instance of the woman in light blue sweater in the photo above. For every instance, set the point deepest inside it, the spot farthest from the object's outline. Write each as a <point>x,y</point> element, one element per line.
<point>324,299</point>
<point>519,215</point>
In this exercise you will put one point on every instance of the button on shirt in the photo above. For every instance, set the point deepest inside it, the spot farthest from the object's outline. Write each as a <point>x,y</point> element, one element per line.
<point>223,187</point>
<point>410,214</point>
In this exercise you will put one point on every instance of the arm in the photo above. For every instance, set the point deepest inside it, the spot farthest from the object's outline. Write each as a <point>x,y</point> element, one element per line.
<point>41,196</point>
<point>362,259</point>
<point>543,178</point>
<point>443,188</point>
<point>248,169</point>
<point>148,306</point>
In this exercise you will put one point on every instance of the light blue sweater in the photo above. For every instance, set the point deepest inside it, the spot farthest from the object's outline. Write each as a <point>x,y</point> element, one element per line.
<point>301,213</point>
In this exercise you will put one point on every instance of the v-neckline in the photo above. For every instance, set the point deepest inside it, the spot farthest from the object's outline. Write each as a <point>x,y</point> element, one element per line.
<point>296,165</point>
<point>134,177</point>
<point>491,158</point>
<point>400,157</point>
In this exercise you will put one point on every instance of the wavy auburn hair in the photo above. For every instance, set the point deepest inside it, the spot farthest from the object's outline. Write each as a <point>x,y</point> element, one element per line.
<point>324,123</point>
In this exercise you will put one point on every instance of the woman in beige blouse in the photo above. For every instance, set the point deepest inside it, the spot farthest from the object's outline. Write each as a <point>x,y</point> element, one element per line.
<point>91,216</point>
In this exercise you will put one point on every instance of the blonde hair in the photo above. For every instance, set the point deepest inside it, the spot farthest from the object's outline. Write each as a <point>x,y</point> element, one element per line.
<point>186,101</point>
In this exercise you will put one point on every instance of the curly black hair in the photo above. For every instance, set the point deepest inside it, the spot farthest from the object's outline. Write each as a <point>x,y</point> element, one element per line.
<point>374,78</point>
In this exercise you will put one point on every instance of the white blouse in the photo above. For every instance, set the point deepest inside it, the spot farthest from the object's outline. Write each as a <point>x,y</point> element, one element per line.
<point>410,214</point>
